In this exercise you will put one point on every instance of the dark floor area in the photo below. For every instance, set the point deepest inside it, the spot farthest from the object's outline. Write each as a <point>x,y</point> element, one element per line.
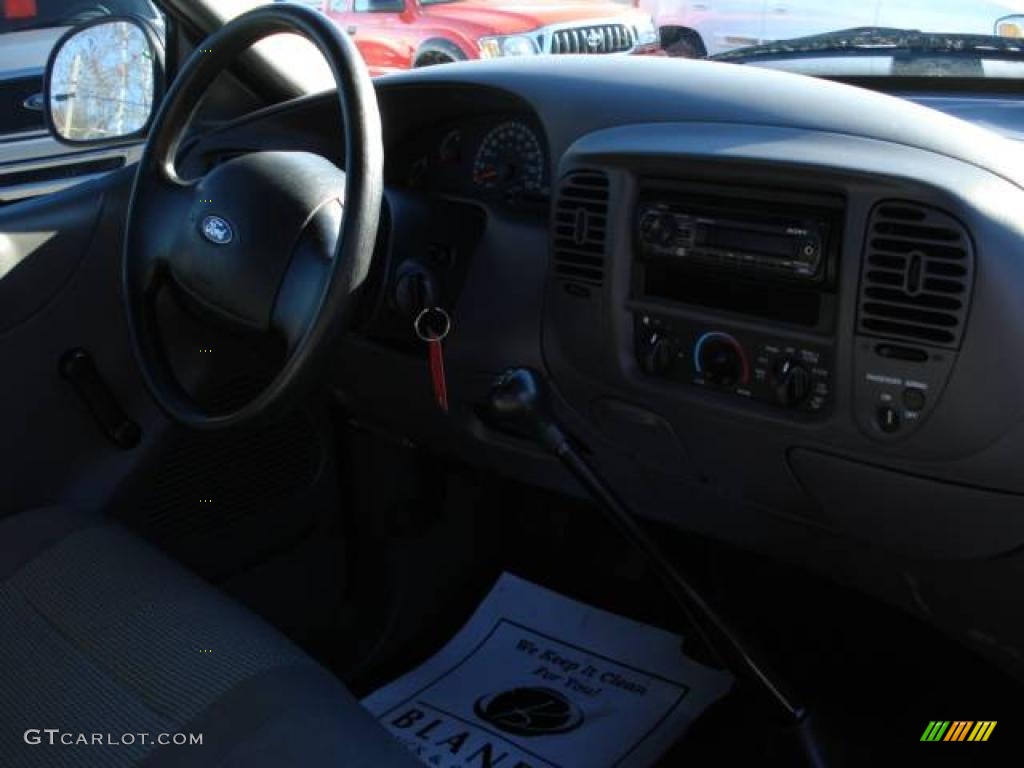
<point>874,675</point>
<point>419,542</point>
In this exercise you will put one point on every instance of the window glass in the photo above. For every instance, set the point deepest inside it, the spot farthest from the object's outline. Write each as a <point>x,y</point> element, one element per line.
<point>379,6</point>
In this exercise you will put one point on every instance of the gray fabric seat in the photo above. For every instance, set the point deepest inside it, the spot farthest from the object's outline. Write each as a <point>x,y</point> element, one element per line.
<point>101,634</point>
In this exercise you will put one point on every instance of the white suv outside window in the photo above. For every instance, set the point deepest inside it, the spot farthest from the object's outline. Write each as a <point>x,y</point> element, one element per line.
<point>715,26</point>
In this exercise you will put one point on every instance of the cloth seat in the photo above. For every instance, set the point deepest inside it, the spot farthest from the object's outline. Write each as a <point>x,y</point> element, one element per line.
<point>104,639</point>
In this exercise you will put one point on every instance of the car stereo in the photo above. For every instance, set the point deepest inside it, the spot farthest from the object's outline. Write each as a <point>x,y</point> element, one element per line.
<point>765,253</point>
<point>723,235</point>
<point>734,289</point>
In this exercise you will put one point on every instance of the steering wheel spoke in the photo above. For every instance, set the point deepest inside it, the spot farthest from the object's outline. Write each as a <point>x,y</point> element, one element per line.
<point>306,278</point>
<point>150,241</point>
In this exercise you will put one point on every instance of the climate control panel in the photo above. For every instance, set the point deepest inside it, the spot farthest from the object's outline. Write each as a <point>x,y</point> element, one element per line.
<point>787,373</point>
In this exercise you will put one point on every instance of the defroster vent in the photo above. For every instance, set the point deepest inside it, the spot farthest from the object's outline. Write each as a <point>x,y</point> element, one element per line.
<point>917,275</point>
<point>580,226</point>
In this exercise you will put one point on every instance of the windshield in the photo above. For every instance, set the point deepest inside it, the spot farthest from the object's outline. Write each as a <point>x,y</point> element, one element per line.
<point>966,39</point>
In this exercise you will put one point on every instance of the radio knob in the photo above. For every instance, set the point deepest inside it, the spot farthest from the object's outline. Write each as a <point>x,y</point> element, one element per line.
<point>658,228</point>
<point>792,382</point>
<point>660,356</point>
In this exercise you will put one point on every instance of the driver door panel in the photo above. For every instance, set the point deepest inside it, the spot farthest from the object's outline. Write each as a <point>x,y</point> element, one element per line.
<point>60,290</point>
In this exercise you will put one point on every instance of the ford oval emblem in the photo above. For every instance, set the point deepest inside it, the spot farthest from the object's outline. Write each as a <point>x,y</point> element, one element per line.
<point>217,230</point>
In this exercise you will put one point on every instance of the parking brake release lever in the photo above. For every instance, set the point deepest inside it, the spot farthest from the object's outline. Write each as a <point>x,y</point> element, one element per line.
<point>519,401</point>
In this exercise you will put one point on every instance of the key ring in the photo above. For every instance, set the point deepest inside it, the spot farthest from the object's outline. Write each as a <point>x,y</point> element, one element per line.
<point>418,325</point>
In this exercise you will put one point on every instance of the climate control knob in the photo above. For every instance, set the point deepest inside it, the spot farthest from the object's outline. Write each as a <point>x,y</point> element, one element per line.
<point>660,356</point>
<point>792,382</point>
<point>720,359</point>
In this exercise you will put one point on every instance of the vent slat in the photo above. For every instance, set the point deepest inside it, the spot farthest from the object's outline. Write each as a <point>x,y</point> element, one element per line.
<point>596,228</point>
<point>595,236</point>
<point>945,269</point>
<point>886,277</point>
<point>887,262</point>
<point>591,205</point>
<point>944,286</point>
<point>935,250</point>
<point>566,251</point>
<point>579,227</point>
<point>587,193</point>
<point>584,273</point>
<point>901,213</point>
<point>917,232</point>
<point>920,300</point>
<point>910,314</point>
<point>917,274</point>
<point>592,182</point>
<point>905,331</point>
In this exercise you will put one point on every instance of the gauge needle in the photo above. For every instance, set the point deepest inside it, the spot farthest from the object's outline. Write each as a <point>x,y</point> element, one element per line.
<point>490,173</point>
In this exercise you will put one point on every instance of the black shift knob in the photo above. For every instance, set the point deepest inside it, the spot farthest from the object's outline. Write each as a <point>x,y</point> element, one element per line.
<point>519,402</point>
<point>518,393</point>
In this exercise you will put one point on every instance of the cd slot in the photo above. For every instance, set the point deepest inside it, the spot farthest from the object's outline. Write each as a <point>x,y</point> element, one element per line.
<point>783,302</point>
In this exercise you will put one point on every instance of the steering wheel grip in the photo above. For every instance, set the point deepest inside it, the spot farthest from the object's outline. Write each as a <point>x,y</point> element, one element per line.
<point>162,205</point>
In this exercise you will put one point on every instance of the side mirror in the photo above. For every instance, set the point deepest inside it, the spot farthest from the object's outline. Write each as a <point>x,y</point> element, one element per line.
<point>102,82</point>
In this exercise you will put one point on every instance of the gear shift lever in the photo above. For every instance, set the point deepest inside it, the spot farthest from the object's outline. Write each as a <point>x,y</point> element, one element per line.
<point>519,400</point>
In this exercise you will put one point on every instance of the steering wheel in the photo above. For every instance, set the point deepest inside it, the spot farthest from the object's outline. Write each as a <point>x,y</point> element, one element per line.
<point>270,242</point>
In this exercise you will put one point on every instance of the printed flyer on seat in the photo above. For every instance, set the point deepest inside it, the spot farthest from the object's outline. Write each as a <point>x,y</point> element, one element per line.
<point>536,679</point>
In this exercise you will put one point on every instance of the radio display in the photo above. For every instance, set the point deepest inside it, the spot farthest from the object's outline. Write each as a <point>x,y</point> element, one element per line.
<point>761,243</point>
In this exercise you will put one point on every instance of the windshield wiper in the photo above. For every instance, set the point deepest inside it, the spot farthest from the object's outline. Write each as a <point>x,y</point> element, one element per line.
<point>881,41</point>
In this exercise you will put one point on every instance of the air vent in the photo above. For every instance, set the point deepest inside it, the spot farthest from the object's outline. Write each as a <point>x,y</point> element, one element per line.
<point>917,275</point>
<point>581,218</point>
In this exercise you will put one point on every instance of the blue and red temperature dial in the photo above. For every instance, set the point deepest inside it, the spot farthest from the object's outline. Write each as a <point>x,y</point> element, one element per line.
<point>721,360</point>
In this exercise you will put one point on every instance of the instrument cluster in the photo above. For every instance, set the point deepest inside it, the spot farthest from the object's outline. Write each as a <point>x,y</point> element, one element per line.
<point>501,161</point>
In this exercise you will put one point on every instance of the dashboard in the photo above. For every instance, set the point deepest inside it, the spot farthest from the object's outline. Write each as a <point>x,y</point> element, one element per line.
<point>779,311</point>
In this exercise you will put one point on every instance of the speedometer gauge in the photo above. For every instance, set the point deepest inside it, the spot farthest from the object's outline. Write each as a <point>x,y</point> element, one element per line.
<point>510,159</point>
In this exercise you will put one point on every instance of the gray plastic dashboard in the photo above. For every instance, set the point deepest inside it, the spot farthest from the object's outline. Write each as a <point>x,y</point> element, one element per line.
<point>945,485</point>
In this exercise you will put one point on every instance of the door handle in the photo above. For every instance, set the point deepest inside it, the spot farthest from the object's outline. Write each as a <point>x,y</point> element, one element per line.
<point>78,367</point>
<point>351,29</point>
<point>33,102</point>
